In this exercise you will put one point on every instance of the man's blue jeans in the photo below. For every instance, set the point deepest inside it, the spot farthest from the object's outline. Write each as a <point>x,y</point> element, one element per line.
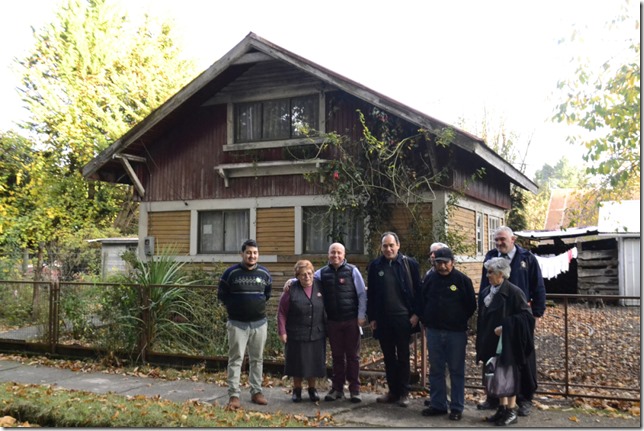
<point>446,348</point>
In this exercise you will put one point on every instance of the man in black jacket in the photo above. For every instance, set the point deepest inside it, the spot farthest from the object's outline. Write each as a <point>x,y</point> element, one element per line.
<point>393,286</point>
<point>448,301</point>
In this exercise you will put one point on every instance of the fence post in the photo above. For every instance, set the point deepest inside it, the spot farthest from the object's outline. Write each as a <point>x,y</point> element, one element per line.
<point>566,378</point>
<point>423,358</point>
<point>144,339</point>
<point>54,315</point>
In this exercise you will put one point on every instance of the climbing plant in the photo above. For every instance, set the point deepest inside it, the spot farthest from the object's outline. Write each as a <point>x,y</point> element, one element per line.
<point>391,167</point>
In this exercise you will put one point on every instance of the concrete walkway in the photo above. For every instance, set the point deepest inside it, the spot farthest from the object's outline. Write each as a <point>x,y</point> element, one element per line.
<point>368,413</point>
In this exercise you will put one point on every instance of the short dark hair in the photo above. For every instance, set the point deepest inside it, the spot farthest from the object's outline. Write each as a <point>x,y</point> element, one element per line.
<point>392,234</point>
<point>249,243</point>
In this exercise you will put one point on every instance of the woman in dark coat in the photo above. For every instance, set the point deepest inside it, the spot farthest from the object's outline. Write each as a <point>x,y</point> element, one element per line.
<point>301,327</point>
<point>503,309</point>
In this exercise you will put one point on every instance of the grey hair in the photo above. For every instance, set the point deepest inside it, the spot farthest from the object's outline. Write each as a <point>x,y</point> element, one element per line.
<point>498,265</point>
<point>435,246</point>
<point>504,229</point>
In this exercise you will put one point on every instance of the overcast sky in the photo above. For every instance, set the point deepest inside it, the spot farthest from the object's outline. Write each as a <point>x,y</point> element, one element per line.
<point>453,60</point>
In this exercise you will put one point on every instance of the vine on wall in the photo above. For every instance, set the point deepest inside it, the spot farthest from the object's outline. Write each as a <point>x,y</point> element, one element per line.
<point>389,165</point>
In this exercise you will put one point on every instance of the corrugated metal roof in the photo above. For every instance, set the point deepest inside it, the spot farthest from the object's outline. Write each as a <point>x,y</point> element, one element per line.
<point>564,233</point>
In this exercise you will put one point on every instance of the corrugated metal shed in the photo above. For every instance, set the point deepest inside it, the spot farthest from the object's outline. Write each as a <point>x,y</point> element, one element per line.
<point>621,220</point>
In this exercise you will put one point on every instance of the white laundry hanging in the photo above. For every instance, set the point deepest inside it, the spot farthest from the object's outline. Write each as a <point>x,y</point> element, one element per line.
<point>553,265</point>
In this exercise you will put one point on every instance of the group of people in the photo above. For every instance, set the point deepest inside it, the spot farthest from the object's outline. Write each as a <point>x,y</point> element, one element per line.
<point>334,302</point>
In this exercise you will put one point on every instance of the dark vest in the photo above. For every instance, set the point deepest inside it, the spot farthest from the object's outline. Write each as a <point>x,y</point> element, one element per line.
<point>305,320</point>
<point>339,292</point>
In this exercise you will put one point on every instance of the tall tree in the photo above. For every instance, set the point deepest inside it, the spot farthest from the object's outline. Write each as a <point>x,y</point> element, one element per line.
<point>562,175</point>
<point>605,101</point>
<point>93,74</point>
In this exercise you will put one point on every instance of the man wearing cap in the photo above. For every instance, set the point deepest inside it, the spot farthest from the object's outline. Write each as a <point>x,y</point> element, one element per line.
<point>448,301</point>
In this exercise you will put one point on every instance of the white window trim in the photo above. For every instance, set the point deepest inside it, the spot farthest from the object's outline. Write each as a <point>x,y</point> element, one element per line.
<point>480,229</point>
<point>264,169</point>
<point>490,231</point>
<point>467,203</point>
<point>252,204</point>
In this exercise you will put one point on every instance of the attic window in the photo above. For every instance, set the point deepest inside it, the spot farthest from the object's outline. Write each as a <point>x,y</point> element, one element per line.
<point>276,119</point>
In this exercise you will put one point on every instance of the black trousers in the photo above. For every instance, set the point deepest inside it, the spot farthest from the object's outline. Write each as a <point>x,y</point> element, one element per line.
<point>394,337</point>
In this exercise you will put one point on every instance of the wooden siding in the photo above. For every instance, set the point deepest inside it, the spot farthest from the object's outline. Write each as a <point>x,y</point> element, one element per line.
<point>463,223</point>
<point>473,270</point>
<point>493,188</point>
<point>276,230</point>
<point>410,242</point>
<point>597,267</point>
<point>170,229</point>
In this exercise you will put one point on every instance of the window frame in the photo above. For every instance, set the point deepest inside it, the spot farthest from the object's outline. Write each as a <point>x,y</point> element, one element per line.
<point>492,220</point>
<point>479,233</point>
<point>358,232</point>
<point>313,100</point>
<point>231,145</point>
<point>243,212</point>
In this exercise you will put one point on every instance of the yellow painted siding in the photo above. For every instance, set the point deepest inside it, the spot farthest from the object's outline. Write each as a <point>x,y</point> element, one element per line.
<point>400,223</point>
<point>463,224</point>
<point>473,271</point>
<point>276,231</point>
<point>170,229</point>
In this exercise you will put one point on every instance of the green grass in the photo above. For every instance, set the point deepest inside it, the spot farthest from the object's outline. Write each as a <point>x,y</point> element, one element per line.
<point>50,406</point>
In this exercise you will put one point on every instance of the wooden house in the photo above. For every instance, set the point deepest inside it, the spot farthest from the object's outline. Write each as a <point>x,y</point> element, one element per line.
<point>212,166</point>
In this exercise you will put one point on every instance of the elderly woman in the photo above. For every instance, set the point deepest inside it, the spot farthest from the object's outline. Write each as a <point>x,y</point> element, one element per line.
<point>503,309</point>
<point>301,327</point>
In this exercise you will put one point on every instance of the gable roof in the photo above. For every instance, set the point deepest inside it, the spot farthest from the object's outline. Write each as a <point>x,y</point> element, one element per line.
<point>250,50</point>
<point>561,200</point>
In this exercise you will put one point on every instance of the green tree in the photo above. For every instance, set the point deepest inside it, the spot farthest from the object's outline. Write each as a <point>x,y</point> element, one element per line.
<point>93,73</point>
<point>562,175</point>
<point>605,102</point>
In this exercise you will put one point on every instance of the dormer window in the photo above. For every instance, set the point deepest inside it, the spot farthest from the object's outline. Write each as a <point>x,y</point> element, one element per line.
<point>277,119</point>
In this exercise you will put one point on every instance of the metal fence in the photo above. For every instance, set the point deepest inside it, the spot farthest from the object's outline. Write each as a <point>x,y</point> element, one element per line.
<point>587,345</point>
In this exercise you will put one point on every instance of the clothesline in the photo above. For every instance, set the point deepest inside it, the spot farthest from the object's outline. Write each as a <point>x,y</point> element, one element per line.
<point>553,265</point>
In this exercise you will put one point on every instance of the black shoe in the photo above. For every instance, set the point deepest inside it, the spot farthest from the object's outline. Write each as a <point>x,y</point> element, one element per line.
<point>313,395</point>
<point>297,395</point>
<point>509,418</point>
<point>488,404</point>
<point>431,411</point>
<point>387,398</point>
<point>334,395</point>
<point>403,401</point>
<point>428,402</point>
<point>500,411</point>
<point>355,397</point>
<point>524,408</point>
<point>455,416</point>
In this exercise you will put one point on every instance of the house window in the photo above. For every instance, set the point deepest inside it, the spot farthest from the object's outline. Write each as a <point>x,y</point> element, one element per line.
<point>479,233</point>
<point>294,117</point>
<point>493,223</point>
<point>222,231</point>
<point>321,229</point>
